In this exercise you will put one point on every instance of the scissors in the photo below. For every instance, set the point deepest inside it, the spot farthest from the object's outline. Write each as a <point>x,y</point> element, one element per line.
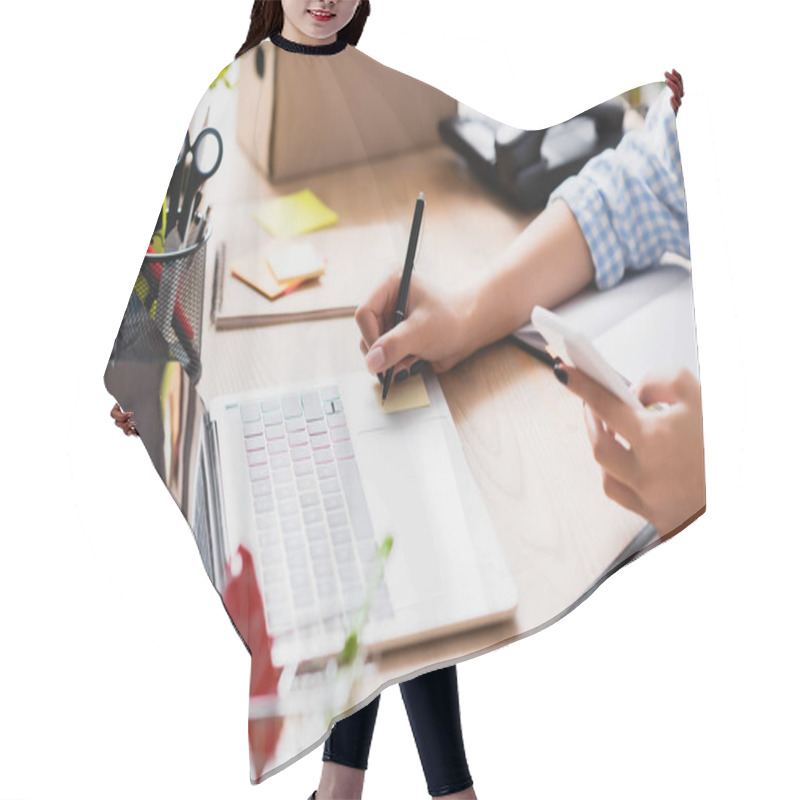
<point>175,186</point>
<point>201,169</point>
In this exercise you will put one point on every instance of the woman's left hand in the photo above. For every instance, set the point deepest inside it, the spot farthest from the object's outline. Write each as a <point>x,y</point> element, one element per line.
<point>124,420</point>
<point>661,476</point>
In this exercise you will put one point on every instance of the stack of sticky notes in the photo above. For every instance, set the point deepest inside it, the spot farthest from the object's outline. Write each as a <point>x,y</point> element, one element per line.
<point>289,265</point>
<point>286,268</point>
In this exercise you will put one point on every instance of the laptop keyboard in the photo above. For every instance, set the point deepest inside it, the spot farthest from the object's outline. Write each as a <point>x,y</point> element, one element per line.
<point>315,537</point>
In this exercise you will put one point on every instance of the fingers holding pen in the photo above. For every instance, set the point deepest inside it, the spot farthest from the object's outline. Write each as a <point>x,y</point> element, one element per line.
<point>374,319</point>
<point>399,347</point>
<point>405,368</point>
<point>434,330</point>
<point>394,349</point>
<point>374,316</point>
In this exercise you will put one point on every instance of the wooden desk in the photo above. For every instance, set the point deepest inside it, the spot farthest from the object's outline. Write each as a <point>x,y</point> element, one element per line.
<point>523,434</point>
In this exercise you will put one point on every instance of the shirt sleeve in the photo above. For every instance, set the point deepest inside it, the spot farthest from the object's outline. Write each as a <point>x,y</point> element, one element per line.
<point>630,201</point>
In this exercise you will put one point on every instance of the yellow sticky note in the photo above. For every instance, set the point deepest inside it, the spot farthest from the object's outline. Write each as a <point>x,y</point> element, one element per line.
<point>260,278</point>
<point>294,214</point>
<point>296,261</point>
<point>411,393</point>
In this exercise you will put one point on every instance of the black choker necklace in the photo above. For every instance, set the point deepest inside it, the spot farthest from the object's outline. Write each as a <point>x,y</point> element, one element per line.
<point>308,49</point>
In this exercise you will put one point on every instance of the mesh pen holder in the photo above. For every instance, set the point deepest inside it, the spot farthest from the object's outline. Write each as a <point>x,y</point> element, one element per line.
<point>163,320</point>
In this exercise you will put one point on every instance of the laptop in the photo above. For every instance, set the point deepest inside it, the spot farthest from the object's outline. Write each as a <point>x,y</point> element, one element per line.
<point>313,479</point>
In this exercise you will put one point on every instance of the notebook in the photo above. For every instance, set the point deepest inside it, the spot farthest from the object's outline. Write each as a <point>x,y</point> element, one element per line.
<point>348,252</point>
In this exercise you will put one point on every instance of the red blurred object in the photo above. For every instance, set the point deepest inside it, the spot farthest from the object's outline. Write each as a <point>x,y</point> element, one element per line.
<point>242,599</point>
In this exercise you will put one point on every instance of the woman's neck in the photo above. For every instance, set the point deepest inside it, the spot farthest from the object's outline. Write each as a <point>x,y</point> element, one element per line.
<point>293,34</point>
<point>336,46</point>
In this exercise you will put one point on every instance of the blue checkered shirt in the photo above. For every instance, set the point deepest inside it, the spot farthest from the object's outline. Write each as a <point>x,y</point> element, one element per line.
<point>630,202</point>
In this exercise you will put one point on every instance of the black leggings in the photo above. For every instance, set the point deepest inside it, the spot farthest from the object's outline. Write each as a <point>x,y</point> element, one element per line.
<point>432,706</point>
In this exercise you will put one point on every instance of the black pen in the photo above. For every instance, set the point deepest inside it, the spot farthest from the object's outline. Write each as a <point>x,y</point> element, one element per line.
<point>405,281</point>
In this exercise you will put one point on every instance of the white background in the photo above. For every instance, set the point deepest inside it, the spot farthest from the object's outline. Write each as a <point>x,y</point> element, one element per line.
<point>121,674</point>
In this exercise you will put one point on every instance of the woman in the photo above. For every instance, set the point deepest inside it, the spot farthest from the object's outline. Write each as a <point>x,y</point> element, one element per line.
<point>324,27</point>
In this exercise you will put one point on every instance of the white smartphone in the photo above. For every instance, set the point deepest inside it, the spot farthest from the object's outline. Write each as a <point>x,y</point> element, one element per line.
<point>575,350</point>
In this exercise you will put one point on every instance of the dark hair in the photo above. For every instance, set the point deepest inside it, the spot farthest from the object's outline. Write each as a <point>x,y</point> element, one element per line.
<point>266,19</point>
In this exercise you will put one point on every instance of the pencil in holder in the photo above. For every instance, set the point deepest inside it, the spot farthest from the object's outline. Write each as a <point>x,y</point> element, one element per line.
<point>163,320</point>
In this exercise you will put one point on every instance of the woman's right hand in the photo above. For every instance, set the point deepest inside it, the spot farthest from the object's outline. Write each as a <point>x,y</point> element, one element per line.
<point>661,474</point>
<point>675,82</point>
<point>436,327</point>
<point>124,420</point>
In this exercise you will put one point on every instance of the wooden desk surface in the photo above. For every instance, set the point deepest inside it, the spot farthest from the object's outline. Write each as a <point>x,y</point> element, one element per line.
<point>523,434</point>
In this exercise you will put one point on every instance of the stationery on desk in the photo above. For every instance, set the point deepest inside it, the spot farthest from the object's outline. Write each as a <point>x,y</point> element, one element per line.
<point>317,271</point>
<point>295,214</point>
<point>179,223</point>
<point>287,266</point>
<point>283,271</point>
<point>405,396</point>
<point>405,281</point>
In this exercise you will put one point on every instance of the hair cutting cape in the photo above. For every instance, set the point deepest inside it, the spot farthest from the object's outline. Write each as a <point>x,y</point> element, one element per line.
<point>356,543</point>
